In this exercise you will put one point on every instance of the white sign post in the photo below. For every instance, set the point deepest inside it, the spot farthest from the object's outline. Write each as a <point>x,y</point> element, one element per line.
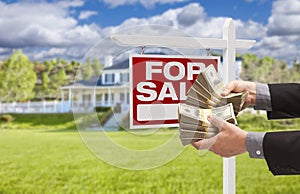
<point>228,43</point>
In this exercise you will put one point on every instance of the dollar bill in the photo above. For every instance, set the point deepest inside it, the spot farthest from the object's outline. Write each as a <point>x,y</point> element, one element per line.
<point>195,134</point>
<point>196,127</point>
<point>213,79</point>
<point>187,137</point>
<point>225,112</point>
<point>197,86</point>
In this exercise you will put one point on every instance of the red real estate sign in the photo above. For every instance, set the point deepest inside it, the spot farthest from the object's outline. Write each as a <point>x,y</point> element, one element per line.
<point>158,83</point>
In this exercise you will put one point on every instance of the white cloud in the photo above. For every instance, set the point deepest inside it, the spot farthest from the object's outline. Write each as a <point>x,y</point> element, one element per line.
<point>145,3</point>
<point>70,3</point>
<point>285,18</point>
<point>86,14</point>
<point>282,37</point>
<point>26,24</point>
<point>200,26</point>
<point>45,30</point>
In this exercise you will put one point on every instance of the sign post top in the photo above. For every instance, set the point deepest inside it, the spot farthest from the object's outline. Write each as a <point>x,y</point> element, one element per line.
<point>182,42</point>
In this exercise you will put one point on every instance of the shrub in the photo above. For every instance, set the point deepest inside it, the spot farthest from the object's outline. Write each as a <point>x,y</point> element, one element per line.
<point>6,118</point>
<point>103,118</point>
<point>102,109</point>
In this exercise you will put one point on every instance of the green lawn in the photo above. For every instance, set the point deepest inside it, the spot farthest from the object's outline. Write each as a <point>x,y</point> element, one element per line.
<point>36,160</point>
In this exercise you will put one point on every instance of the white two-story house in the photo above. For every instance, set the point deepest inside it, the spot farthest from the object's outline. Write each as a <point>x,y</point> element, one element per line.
<point>108,90</point>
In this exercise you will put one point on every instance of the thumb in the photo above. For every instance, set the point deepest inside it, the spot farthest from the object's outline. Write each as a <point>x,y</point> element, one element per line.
<point>229,88</point>
<point>204,144</point>
<point>216,121</point>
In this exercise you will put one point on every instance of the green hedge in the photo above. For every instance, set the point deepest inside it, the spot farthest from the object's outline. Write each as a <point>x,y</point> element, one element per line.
<point>6,118</point>
<point>102,109</point>
<point>104,117</point>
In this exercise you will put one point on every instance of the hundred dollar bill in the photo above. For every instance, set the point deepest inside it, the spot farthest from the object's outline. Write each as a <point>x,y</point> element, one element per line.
<point>198,103</point>
<point>237,100</point>
<point>196,95</point>
<point>225,112</point>
<point>195,134</point>
<point>196,127</point>
<point>211,80</point>
<point>197,86</point>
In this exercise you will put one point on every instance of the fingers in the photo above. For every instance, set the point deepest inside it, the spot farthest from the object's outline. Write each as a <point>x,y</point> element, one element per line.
<point>204,144</point>
<point>229,88</point>
<point>216,121</point>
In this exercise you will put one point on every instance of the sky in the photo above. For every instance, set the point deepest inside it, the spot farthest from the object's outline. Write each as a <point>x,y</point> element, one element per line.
<point>68,29</point>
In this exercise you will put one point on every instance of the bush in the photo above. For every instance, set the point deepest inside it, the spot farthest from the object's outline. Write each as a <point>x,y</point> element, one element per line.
<point>103,118</point>
<point>102,109</point>
<point>6,118</point>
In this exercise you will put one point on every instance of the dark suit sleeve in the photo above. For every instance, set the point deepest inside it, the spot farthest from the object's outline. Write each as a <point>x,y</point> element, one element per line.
<point>282,149</point>
<point>282,152</point>
<point>285,100</point>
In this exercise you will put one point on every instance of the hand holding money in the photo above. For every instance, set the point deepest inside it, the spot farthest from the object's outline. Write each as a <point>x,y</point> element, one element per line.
<point>194,125</point>
<point>204,98</point>
<point>244,87</point>
<point>233,139</point>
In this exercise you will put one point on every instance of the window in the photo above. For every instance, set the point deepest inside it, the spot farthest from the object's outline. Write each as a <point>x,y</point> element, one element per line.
<point>124,77</point>
<point>86,98</point>
<point>106,98</point>
<point>98,97</point>
<point>109,78</point>
<point>122,97</point>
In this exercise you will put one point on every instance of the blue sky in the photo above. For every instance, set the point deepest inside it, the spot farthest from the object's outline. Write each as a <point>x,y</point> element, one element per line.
<point>67,29</point>
<point>238,9</point>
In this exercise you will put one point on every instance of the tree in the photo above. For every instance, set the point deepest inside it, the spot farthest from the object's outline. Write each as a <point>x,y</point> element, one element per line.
<point>17,78</point>
<point>265,70</point>
<point>87,70</point>
<point>250,62</point>
<point>57,79</point>
<point>97,67</point>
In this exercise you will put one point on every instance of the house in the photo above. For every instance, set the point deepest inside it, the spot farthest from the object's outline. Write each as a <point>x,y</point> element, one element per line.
<point>108,90</point>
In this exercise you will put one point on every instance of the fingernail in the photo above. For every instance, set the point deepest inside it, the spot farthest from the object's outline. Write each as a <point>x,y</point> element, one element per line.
<point>224,92</point>
<point>208,117</point>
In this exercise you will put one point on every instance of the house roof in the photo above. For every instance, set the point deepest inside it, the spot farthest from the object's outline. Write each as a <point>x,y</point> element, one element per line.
<point>125,64</point>
<point>121,65</point>
<point>93,81</point>
<point>97,80</point>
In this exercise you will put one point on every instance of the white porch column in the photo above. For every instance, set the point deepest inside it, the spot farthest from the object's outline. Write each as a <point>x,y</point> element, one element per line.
<point>125,96</point>
<point>109,96</point>
<point>94,97</point>
<point>102,98</point>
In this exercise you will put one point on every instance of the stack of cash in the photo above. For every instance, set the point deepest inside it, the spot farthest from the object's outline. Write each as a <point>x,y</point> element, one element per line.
<point>203,99</point>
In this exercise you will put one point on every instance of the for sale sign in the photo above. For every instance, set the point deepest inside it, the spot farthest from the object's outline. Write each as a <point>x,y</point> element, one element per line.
<point>158,84</point>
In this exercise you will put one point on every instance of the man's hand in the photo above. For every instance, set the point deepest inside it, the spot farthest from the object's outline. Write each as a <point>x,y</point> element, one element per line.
<point>242,86</point>
<point>230,141</point>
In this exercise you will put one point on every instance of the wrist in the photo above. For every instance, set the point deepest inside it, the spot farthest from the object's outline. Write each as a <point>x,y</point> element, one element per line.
<point>252,92</point>
<point>244,140</point>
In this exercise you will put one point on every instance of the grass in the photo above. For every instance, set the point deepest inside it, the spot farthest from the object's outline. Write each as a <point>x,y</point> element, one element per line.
<point>36,160</point>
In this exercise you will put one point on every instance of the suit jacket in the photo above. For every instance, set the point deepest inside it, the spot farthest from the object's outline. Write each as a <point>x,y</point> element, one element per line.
<point>282,149</point>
